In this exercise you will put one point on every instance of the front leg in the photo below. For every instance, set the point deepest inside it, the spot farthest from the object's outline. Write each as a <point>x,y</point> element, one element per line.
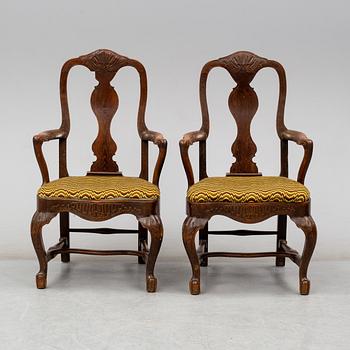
<point>190,227</point>
<point>308,226</point>
<point>154,225</point>
<point>38,221</point>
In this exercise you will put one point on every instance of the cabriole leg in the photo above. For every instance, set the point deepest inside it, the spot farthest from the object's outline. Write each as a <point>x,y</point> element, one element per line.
<point>38,221</point>
<point>308,226</point>
<point>154,225</point>
<point>190,227</point>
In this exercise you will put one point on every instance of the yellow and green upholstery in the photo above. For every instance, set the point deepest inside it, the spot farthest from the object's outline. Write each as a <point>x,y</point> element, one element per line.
<point>98,188</point>
<point>248,189</point>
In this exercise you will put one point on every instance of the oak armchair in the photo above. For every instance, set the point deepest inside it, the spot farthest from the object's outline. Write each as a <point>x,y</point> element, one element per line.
<point>244,194</point>
<point>104,193</point>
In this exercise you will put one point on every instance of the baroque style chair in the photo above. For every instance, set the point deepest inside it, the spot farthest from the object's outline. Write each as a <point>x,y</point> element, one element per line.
<point>104,193</point>
<point>244,194</point>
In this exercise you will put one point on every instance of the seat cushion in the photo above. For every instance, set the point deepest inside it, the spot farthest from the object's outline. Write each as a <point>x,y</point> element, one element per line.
<point>248,189</point>
<point>98,188</point>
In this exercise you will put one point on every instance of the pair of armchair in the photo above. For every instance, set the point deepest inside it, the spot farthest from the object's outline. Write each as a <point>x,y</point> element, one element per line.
<point>243,194</point>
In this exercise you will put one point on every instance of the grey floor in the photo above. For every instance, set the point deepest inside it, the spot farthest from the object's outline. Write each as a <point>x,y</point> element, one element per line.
<point>100,303</point>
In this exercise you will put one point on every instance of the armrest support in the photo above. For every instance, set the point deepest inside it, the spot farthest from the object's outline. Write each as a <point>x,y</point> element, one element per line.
<point>187,140</point>
<point>300,139</point>
<point>159,140</point>
<point>38,141</point>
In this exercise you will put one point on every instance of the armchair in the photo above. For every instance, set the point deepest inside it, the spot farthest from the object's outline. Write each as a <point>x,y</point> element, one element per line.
<point>244,194</point>
<point>104,193</point>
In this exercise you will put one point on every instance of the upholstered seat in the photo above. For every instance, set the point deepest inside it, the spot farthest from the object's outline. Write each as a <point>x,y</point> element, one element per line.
<point>98,188</point>
<point>248,189</point>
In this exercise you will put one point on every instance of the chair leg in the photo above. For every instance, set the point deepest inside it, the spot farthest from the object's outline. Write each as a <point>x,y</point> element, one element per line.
<point>190,227</point>
<point>203,239</point>
<point>154,225</point>
<point>64,233</point>
<point>142,237</point>
<point>308,226</point>
<point>38,221</point>
<point>281,236</point>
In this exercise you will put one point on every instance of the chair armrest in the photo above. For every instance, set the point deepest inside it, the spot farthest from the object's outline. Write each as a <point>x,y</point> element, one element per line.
<point>194,136</point>
<point>153,136</point>
<point>187,140</point>
<point>49,135</point>
<point>300,139</point>
<point>158,139</point>
<point>38,141</point>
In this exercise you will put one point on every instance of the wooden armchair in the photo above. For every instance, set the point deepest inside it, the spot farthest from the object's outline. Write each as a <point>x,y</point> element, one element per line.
<point>104,193</point>
<point>244,195</point>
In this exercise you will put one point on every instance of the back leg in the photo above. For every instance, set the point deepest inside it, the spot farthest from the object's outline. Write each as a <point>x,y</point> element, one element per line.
<point>64,234</point>
<point>281,236</point>
<point>38,221</point>
<point>203,240</point>
<point>142,237</point>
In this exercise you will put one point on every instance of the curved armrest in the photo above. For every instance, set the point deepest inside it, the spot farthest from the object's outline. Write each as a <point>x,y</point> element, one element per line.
<point>158,139</point>
<point>38,141</point>
<point>48,135</point>
<point>187,140</point>
<point>300,139</point>
<point>153,136</point>
<point>194,136</point>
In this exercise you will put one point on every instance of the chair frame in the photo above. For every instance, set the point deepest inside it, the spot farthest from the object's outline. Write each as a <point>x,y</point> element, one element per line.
<point>104,102</point>
<point>243,104</point>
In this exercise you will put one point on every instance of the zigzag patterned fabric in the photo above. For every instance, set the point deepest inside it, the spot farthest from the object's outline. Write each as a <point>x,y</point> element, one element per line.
<point>99,187</point>
<point>248,189</point>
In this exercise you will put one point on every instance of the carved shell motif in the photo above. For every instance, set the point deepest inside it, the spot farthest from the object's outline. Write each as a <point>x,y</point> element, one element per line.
<point>103,60</point>
<point>243,62</point>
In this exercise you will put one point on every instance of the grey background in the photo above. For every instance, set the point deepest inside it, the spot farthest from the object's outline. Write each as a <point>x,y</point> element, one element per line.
<point>173,40</point>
